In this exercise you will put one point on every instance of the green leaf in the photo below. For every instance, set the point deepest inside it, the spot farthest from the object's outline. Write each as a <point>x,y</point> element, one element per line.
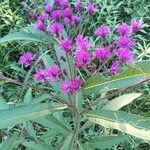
<point>68,143</point>
<point>40,99</point>
<point>31,36</point>
<point>36,146</point>
<point>53,123</point>
<point>3,104</point>
<point>47,60</point>
<point>130,76</point>
<point>30,129</point>
<point>104,142</point>
<point>121,101</point>
<point>60,54</point>
<point>79,101</point>
<point>13,116</point>
<point>49,2</point>
<point>28,96</point>
<point>9,143</point>
<point>132,124</point>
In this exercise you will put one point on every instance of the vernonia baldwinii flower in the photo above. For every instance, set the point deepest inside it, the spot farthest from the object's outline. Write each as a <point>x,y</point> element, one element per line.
<point>26,59</point>
<point>66,45</point>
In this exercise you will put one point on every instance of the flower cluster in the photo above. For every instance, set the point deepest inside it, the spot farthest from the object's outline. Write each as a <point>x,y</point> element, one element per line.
<point>110,55</point>
<point>62,15</point>
<point>71,86</point>
<point>52,74</point>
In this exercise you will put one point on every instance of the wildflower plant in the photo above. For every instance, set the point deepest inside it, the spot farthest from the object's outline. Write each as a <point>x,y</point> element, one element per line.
<point>79,75</point>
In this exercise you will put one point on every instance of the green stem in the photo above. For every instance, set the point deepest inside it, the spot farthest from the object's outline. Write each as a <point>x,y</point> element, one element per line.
<point>69,67</point>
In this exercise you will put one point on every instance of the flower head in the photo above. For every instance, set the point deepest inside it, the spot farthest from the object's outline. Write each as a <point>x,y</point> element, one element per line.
<point>66,45</point>
<point>76,19</point>
<point>42,18</point>
<point>82,43</point>
<point>54,73</point>
<point>75,85</point>
<point>136,25</point>
<point>79,6</point>
<point>26,59</point>
<point>41,75</point>
<point>91,9</point>
<point>57,2</point>
<point>103,54</point>
<point>64,4</point>
<point>115,68</point>
<point>125,42</point>
<point>68,21</point>
<point>65,87</point>
<point>68,13</point>
<point>48,9</point>
<point>56,15</point>
<point>103,31</point>
<point>125,55</point>
<point>124,29</point>
<point>56,28</point>
<point>40,26</point>
<point>82,58</point>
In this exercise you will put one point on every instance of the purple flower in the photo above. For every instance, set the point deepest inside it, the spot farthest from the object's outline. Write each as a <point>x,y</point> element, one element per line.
<point>103,54</point>
<point>91,9</point>
<point>103,31</point>
<point>82,43</point>
<point>68,22</point>
<point>48,9</point>
<point>54,73</point>
<point>41,75</point>
<point>42,18</point>
<point>125,42</point>
<point>115,68</point>
<point>124,29</point>
<point>68,13</point>
<point>56,28</point>
<point>56,15</point>
<point>66,45</point>
<point>57,2</point>
<point>26,59</point>
<point>73,21</point>
<point>125,55</point>
<point>75,85</point>
<point>40,26</point>
<point>76,19</point>
<point>136,25</point>
<point>82,58</point>
<point>64,4</point>
<point>65,87</point>
<point>79,6</point>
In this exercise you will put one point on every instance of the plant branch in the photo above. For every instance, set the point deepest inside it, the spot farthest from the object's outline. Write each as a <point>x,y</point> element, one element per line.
<point>114,94</point>
<point>33,87</point>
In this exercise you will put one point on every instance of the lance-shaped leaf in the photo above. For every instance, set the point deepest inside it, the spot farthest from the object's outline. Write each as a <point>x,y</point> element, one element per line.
<point>132,124</point>
<point>31,35</point>
<point>3,104</point>
<point>68,143</point>
<point>104,142</point>
<point>8,144</point>
<point>130,76</point>
<point>121,101</point>
<point>13,116</point>
<point>36,146</point>
<point>53,123</point>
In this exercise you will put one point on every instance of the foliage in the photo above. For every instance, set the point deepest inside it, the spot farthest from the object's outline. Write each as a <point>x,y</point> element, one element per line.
<point>48,101</point>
